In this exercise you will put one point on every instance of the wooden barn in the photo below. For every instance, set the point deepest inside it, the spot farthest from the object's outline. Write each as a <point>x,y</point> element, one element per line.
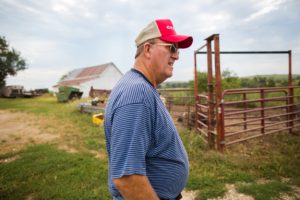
<point>103,76</point>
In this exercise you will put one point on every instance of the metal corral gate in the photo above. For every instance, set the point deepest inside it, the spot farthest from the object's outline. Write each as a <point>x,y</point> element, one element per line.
<point>235,115</point>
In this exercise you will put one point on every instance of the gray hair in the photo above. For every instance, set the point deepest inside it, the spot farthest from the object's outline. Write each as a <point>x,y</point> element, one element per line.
<point>140,48</point>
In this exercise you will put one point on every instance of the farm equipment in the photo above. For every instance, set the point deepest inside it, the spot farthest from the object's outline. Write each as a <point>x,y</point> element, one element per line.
<point>17,91</point>
<point>66,93</point>
<point>12,91</point>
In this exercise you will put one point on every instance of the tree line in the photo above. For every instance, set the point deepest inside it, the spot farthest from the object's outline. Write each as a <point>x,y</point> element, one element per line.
<point>230,81</point>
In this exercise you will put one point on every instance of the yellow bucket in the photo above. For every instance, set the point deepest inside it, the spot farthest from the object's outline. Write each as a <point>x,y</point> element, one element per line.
<point>98,119</point>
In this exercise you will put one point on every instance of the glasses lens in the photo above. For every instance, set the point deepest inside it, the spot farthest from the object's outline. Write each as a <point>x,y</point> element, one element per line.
<point>173,49</point>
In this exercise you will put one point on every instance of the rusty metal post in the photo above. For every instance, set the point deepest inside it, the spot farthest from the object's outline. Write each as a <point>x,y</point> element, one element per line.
<point>290,93</point>
<point>220,123</point>
<point>195,75</point>
<point>210,100</point>
<point>199,110</point>
<point>196,89</point>
<point>287,109</point>
<point>262,112</point>
<point>198,100</point>
<point>245,108</point>
<point>222,118</point>
<point>290,69</point>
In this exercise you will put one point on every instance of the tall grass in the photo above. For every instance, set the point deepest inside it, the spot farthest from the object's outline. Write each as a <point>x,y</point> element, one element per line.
<point>273,158</point>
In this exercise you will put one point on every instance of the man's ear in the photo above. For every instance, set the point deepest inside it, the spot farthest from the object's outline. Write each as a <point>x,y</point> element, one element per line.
<point>147,50</point>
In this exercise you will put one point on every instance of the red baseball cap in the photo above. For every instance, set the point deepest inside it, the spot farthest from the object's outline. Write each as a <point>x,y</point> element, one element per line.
<point>164,30</point>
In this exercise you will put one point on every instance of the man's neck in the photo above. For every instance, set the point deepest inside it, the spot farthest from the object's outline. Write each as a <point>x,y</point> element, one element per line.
<point>142,67</point>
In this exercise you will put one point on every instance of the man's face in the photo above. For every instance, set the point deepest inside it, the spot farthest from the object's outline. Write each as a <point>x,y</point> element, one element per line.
<point>163,59</point>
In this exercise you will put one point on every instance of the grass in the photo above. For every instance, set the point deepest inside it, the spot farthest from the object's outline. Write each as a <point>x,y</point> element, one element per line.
<point>265,191</point>
<point>45,172</point>
<point>275,158</point>
<point>76,131</point>
<point>63,116</point>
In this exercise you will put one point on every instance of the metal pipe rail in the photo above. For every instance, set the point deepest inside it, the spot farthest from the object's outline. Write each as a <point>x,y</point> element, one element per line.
<point>259,109</point>
<point>257,128</point>
<point>216,104</point>
<point>258,119</point>
<point>266,125</point>
<point>260,100</point>
<point>259,135</point>
<point>272,89</point>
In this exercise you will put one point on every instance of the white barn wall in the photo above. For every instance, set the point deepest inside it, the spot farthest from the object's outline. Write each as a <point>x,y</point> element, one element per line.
<point>107,80</point>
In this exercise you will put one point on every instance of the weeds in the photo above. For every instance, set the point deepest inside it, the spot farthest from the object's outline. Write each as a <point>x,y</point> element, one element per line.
<point>275,157</point>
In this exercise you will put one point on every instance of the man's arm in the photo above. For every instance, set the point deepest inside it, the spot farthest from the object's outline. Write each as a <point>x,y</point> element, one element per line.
<point>135,187</point>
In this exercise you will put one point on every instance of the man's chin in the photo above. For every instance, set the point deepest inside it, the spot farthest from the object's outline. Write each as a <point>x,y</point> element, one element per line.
<point>169,75</point>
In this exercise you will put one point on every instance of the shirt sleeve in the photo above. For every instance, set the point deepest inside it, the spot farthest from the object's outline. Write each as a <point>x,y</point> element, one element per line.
<point>130,140</point>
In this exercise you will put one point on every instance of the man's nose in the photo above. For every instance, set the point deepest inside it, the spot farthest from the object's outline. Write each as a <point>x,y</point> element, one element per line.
<point>175,55</point>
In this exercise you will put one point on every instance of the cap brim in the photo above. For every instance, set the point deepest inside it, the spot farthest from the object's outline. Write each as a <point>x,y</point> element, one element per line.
<point>182,40</point>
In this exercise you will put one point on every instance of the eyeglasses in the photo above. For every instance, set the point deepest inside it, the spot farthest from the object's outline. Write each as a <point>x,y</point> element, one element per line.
<point>172,47</point>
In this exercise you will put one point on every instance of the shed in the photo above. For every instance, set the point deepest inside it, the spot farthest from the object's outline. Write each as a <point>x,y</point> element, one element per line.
<point>103,76</point>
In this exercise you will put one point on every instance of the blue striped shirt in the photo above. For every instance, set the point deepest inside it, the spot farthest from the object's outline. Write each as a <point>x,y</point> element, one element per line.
<point>141,137</point>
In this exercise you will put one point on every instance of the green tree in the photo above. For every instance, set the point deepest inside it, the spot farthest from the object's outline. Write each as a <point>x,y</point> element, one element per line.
<point>10,61</point>
<point>271,82</point>
<point>283,82</point>
<point>202,82</point>
<point>260,81</point>
<point>230,80</point>
<point>248,83</point>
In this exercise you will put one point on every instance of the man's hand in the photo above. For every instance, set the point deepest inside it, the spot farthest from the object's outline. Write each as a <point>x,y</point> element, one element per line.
<point>135,187</point>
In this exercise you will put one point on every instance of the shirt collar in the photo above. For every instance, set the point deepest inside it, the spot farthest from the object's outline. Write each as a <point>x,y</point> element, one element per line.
<point>137,71</point>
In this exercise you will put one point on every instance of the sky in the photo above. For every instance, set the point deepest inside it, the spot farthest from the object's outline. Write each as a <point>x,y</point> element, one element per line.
<point>57,36</point>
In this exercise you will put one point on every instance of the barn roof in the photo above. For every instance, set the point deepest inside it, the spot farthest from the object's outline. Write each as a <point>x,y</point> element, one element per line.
<point>81,75</point>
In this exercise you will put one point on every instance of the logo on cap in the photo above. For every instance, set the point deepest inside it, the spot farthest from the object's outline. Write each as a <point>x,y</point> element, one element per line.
<point>169,27</point>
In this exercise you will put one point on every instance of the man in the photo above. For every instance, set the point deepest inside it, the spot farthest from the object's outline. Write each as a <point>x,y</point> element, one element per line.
<point>147,160</point>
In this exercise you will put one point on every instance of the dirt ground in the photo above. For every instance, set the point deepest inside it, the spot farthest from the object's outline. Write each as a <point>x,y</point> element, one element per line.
<point>20,129</point>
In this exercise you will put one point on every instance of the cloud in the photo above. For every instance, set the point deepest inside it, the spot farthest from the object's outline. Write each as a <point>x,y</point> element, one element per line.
<point>41,52</point>
<point>36,78</point>
<point>264,7</point>
<point>72,10</point>
<point>20,6</point>
<point>212,22</point>
<point>68,34</point>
